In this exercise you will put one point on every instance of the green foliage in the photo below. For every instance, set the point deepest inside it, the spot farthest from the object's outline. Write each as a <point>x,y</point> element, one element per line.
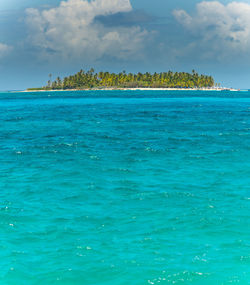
<point>90,79</point>
<point>36,89</point>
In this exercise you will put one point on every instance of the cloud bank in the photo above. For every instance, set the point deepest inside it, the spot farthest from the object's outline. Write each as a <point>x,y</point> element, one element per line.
<point>219,30</point>
<point>70,31</point>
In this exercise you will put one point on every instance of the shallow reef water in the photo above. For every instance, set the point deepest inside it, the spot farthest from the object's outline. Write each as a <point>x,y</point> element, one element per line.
<point>125,187</point>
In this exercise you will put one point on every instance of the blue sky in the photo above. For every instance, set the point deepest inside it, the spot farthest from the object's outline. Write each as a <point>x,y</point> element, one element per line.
<point>60,37</point>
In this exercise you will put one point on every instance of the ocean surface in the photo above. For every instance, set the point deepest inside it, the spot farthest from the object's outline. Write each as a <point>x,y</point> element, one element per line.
<point>125,187</point>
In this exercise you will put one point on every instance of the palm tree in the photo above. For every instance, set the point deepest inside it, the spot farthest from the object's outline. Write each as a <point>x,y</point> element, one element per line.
<point>50,80</point>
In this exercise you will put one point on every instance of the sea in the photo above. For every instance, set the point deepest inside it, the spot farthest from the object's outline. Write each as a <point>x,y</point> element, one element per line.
<point>125,188</point>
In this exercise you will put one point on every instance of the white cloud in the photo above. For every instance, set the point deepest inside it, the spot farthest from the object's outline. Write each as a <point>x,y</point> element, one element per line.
<point>71,32</point>
<point>220,30</point>
<point>4,49</point>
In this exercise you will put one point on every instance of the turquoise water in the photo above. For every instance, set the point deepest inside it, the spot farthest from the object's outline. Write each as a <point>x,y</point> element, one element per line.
<point>125,188</point>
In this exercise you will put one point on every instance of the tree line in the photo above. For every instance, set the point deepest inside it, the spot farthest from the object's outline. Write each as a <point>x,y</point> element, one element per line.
<point>91,79</point>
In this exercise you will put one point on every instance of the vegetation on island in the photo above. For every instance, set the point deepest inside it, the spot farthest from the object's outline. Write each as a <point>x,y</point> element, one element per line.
<point>102,80</point>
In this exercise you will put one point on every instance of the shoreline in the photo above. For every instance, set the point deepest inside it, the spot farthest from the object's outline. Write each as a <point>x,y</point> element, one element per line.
<point>136,89</point>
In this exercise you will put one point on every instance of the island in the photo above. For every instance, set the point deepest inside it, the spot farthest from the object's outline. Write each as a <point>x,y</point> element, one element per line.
<point>90,80</point>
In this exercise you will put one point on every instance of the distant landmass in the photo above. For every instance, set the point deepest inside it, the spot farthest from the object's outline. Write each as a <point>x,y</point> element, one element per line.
<point>91,80</point>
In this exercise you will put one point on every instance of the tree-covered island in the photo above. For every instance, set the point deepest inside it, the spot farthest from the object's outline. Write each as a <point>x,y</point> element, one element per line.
<point>92,80</point>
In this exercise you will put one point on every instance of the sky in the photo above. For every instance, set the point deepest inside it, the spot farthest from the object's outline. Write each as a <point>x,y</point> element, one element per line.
<point>39,37</point>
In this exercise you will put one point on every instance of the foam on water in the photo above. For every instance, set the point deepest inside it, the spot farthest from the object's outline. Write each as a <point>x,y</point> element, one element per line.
<point>125,188</point>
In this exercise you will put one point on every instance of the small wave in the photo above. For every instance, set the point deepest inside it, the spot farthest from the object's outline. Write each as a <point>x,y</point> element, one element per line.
<point>94,157</point>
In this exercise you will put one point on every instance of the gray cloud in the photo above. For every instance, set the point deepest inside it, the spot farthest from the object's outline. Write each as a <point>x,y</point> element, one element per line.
<point>221,30</point>
<point>131,18</point>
